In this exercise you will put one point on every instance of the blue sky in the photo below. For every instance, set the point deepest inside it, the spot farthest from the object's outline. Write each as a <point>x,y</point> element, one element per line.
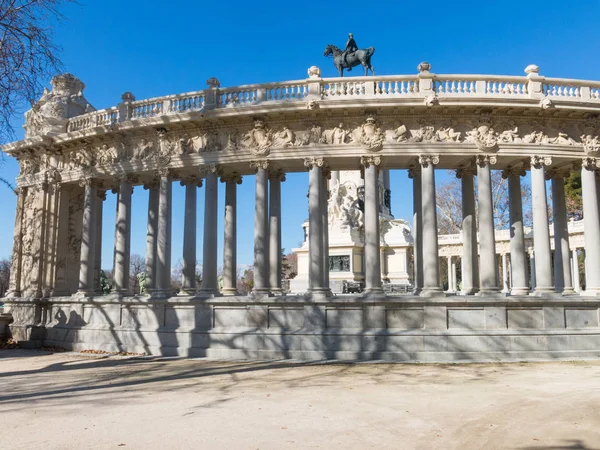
<point>154,48</point>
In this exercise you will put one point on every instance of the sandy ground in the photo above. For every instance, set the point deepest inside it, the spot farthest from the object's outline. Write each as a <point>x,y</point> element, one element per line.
<point>75,401</point>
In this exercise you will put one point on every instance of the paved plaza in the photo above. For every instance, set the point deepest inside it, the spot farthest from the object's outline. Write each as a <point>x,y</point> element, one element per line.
<point>77,401</point>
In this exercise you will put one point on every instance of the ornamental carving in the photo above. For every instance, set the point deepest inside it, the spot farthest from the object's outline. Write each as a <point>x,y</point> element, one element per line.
<point>591,144</point>
<point>484,138</point>
<point>51,112</point>
<point>259,139</point>
<point>339,135</point>
<point>371,136</point>
<point>285,137</point>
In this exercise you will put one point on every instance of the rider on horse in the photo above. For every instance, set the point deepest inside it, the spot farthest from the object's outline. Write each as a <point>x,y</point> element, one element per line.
<point>350,48</point>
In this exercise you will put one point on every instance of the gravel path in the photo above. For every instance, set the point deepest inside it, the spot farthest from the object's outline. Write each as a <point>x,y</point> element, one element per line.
<point>76,401</point>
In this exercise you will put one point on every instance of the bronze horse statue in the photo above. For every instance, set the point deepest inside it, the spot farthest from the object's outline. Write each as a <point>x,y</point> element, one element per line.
<point>362,57</point>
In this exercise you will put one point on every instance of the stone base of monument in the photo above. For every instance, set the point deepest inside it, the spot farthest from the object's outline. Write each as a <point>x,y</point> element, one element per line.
<point>392,328</point>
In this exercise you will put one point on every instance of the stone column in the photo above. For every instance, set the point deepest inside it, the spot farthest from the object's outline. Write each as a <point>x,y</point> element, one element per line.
<point>152,235</point>
<point>518,259</point>
<point>591,223</point>
<point>88,240</point>
<point>541,233</point>
<point>372,238</point>
<point>275,179</point>
<point>450,274</point>
<point>387,196</point>
<point>488,264</point>
<point>261,229</point>
<point>123,237</point>
<point>163,245</point>
<point>470,260</point>
<point>100,197</point>
<point>315,231</point>
<point>335,178</point>
<point>415,173</point>
<point>230,240</point>
<point>188,273</point>
<point>505,285</point>
<point>454,280</point>
<point>210,284</point>
<point>14,289</point>
<point>562,254</point>
<point>325,221</point>
<point>575,265</point>
<point>431,268</point>
<point>532,268</point>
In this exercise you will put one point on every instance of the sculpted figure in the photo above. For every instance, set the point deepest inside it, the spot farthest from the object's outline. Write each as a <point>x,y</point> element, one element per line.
<point>562,138</point>
<point>484,137</point>
<point>189,145</point>
<point>286,137</point>
<point>535,137</point>
<point>142,151</point>
<point>447,134</point>
<point>350,48</point>
<point>426,134</point>
<point>401,133</point>
<point>339,134</point>
<point>106,155</point>
<point>510,135</point>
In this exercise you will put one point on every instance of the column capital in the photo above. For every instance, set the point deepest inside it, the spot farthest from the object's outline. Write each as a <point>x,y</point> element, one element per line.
<point>164,172</point>
<point>590,163</point>
<point>127,177</point>
<point>414,170</point>
<point>193,180</point>
<point>556,174</point>
<point>276,174</point>
<point>370,160</point>
<point>208,169</point>
<point>101,194</point>
<point>513,170</point>
<point>89,181</point>
<point>466,170</point>
<point>309,163</point>
<point>539,161</point>
<point>260,164</point>
<point>426,160</point>
<point>483,160</point>
<point>232,176</point>
<point>154,182</point>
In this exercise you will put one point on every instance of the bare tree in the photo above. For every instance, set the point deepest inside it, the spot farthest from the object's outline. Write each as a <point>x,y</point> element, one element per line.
<point>449,204</point>
<point>4,276</point>
<point>28,55</point>
<point>137,267</point>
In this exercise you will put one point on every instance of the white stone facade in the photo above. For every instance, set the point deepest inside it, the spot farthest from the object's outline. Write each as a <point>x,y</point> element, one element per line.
<point>72,154</point>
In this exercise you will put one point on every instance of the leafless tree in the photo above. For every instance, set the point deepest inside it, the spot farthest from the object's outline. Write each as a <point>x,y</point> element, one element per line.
<point>28,55</point>
<point>137,266</point>
<point>4,276</point>
<point>449,204</point>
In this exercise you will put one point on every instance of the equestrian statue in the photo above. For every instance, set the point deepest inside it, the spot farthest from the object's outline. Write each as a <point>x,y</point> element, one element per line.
<point>351,56</point>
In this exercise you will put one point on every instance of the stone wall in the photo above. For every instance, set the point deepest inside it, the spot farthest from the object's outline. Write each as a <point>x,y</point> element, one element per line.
<point>349,328</point>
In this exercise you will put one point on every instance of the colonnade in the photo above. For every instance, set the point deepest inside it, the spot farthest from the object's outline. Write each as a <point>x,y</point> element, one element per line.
<point>158,238</point>
<point>539,270</point>
<point>479,262</point>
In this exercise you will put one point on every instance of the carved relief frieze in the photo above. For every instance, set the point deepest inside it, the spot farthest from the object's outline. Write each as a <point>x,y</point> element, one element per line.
<point>483,136</point>
<point>259,139</point>
<point>371,135</point>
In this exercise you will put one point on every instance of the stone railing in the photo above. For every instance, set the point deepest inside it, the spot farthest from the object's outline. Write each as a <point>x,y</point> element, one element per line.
<point>416,87</point>
<point>574,227</point>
